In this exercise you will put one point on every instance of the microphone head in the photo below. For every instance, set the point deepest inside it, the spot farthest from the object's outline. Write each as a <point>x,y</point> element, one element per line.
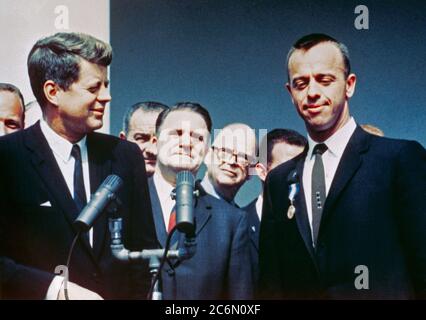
<point>185,182</point>
<point>184,176</point>
<point>113,183</point>
<point>98,202</point>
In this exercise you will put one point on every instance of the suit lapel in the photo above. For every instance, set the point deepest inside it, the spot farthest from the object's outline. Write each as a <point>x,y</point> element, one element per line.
<point>202,208</point>
<point>202,213</point>
<point>48,170</point>
<point>300,204</point>
<point>348,165</point>
<point>99,168</point>
<point>160,228</point>
<point>254,223</point>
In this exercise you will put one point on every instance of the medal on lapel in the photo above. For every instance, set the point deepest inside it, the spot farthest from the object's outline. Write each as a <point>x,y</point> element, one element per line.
<point>293,190</point>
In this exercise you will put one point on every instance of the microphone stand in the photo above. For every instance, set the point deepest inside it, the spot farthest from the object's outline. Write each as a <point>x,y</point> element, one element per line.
<point>152,255</point>
<point>184,223</point>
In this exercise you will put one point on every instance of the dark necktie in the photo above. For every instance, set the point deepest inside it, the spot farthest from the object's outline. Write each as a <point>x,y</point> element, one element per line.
<point>79,190</point>
<point>318,189</point>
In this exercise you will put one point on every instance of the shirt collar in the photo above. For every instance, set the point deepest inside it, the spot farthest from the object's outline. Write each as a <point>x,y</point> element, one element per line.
<point>59,145</point>
<point>164,189</point>
<point>336,144</point>
<point>209,188</point>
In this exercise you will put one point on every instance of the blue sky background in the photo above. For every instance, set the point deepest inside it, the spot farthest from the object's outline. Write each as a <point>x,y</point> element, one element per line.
<point>230,57</point>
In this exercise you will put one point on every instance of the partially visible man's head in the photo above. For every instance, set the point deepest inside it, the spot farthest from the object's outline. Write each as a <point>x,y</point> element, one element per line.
<point>139,127</point>
<point>12,114</point>
<point>230,157</point>
<point>320,83</point>
<point>373,130</point>
<point>68,75</point>
<point>32,113</point>
<point>183,133</point>
<point>280,145</point>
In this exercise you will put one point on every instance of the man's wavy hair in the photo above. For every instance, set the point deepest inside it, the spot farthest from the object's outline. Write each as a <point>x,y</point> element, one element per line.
<point>58,57</point>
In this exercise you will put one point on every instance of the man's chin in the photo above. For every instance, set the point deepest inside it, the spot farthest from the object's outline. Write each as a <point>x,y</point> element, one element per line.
<point>185,167</point>
<point>96,124</point>
<point>149,172</point>
<point>226,181</point>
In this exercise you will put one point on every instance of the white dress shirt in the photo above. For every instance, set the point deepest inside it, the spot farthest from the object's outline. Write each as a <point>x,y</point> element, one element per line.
<point>61,149</point>
<point>336,145</point>
<point>259,205</point>
<point>164,189</point>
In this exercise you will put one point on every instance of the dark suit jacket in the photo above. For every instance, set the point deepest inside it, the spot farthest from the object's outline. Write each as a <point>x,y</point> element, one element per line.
<point>253,224</point>
<point>36,238</point>
<point>374,215</point>
<point>220,268</point>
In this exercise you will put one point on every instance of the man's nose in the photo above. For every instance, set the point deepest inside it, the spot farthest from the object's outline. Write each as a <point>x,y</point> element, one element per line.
<point>232,159</point>
<point>104,95</point>
<point>185,140</point>
<point>314,92</point>
<point>151,150</point>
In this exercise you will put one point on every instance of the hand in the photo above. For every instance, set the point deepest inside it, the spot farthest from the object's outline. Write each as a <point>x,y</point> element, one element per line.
<point>75,292</point>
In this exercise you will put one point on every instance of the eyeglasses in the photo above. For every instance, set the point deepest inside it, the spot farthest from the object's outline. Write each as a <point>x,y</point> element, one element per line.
<point>225,154</point>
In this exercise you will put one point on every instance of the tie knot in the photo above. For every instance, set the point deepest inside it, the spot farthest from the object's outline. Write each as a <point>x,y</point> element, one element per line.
<point>75,152</point>
<point>320,148</point>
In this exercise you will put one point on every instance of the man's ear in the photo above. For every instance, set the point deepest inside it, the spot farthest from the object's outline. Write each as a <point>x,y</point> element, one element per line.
<point>51,91</point>
<point>122,135</point>
<point>261,171</point>
<point>350,85</point>
<point>288,87</point>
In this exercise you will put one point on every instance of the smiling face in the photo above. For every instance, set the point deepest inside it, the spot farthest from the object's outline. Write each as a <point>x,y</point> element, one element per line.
<point>319,89</point>
<point>80,109</point>
<point>182,142</point>
<point>229,159</point>
<point>11,113</point>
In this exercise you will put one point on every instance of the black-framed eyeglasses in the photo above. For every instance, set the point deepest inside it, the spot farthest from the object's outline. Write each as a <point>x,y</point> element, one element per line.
<point>225,154</point>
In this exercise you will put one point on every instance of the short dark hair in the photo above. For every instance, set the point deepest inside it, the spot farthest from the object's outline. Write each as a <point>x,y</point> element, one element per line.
<point>58,57</point>
<point>275,136</point>
<point>13,89</point>
<point>146,106</point>
<point>307,42</point>
<point>190,106</point>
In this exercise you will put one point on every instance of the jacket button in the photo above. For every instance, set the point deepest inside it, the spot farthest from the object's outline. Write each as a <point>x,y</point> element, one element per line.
<point>171,272</point>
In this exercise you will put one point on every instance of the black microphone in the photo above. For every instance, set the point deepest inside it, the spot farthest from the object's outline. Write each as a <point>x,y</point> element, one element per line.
<point>102,197</point>
<point>185,202</point>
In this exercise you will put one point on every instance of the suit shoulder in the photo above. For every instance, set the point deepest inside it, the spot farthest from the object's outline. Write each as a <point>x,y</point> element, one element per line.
<point>221,206</point>
<point>110,142</point>
<point>250,206</point>
<point>284,169</point>
<point>12,137</point>
<point>11,142</point>
<point>394,147</point>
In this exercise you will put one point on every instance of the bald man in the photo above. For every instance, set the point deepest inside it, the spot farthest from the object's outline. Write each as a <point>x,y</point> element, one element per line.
<point>228,161</point>
<point>11,109</point>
